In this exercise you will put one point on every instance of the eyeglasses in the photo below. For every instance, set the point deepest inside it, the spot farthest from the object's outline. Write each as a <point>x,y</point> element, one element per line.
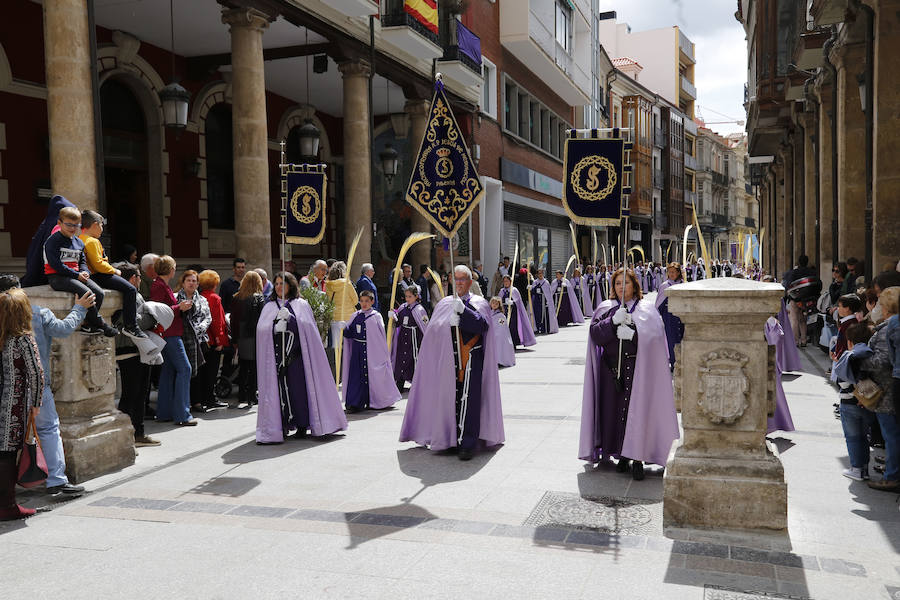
<point>71,225</point>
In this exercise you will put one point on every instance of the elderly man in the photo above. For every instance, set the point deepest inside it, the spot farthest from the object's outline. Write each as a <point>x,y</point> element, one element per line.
<point>267,285</point>
<point>478,275</point>
<point>454,401</point>
<point>367,282</point>
<point>147,262</point>
<point>316,277</point>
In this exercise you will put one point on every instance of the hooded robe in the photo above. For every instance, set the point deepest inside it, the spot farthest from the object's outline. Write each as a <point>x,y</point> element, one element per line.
<point>367,372</point>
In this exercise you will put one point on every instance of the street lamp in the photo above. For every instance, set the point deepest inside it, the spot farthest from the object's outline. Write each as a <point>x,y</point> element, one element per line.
<point>309,141</point>
<point>390,160</point>
<point>861,81</point>
<point>174,100</point>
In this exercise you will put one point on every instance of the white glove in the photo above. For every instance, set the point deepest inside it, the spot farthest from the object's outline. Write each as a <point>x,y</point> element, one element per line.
<point>771,321</point>
<point>624,332</point>
<point>509,301</point>
<point>619,316</point>
<point>458,306</point>
<point>454,320</point>
<point>280,326</point>
<point>565,283</point>
<point>284,313</point>
<point>392,314</point>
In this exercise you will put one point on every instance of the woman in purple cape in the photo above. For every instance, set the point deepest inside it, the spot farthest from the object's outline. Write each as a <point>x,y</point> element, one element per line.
<point>781,420</point>
<point>296,388</point>
<point>410,321</point>
<point>789,357</point>
<point>579,284</point>
<point>564,295</point>
<point>367,374</point>
<point>544,308</point>
<point>627,414</point>
<point>520,330</point>
<point>506,352</point>
<point>674,326</point>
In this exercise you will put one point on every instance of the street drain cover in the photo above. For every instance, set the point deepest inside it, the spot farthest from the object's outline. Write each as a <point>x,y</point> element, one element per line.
<point>629,516</point>
<point>718,592</point>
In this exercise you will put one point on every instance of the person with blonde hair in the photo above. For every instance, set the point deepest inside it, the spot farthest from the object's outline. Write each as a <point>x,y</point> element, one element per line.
<point>340,291</point>
<point>218,340</point>
<point>245,310</point>
<point>20,390</point>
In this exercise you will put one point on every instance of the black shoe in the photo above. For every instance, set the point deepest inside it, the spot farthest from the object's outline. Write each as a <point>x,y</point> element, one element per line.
<point>108,331</point>
<point>214,404</point>
<point>199,408</point>
<point>66,488</point>
<point>90,330</point>
<point>351,410</point>
<point>466,454</point>
<point>300,435</point>
<point>622,465</point>
<point>134,332</point>
<point>637,470</point>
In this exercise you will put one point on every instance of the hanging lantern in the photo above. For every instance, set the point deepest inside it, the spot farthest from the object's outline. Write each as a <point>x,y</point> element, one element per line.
<point>390,160</point>
<point>174,100</point>
<point>309,141</point>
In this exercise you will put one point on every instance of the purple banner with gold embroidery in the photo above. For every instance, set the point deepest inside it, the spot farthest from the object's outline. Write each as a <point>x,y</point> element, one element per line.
<point>303,188</point>
<point>444,185</point>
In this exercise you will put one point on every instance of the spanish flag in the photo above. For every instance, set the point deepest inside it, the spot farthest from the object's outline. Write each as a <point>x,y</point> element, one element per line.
<point>424,11</point>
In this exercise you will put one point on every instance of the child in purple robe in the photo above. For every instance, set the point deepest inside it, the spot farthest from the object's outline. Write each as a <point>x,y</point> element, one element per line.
<point>781,420</point>
<point>564,297</point>
<point>520,330</point>
<point>410,322</point>
<point>367,373</point>
<point>506,352</point>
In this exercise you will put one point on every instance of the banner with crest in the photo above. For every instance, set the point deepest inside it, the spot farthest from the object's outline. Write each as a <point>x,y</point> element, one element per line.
<point>597,179</point>
<point>303,190</point>
<point>444,185</point>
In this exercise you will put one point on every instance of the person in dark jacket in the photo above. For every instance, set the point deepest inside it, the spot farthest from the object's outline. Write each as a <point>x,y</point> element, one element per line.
<point>365,282</point>
<point>34,260</point>
<point>245,310</point>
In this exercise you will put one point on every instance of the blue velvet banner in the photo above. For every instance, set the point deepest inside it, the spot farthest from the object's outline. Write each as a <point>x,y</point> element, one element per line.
<point>444,185</point>
<point>303,189</point>
<point>593,180</point>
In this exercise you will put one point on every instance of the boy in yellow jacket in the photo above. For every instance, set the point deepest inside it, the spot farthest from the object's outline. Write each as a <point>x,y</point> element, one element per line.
<point>104,274</point>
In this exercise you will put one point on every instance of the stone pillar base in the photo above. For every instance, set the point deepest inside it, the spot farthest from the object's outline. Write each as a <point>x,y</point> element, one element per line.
<point>733,493</point>
<point>98,445</point>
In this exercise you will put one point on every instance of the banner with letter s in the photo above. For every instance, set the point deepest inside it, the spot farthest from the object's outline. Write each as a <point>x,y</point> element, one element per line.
<point>594,185</point>
<point>303,189</point>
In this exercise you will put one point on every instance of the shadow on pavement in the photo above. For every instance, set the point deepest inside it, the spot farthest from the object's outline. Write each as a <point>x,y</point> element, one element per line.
<point>435,468</point>
<point>251,451</point>
<point>783,444</point>
<point>232,487</point>
<point>373,523</point>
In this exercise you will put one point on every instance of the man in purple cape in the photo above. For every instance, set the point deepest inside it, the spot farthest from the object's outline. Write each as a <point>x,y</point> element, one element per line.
<point>367,372</point>
<point>450,408</point>
<point>569,311</point>
<point>519,324</point>
<point>296,388</point>
<point>781,420</point>
<point>674,326</point>
<point>580,285</point>
<point>632,418</point>
<point>410,321</point>
<point>544,307</point>
<point>788,356</point>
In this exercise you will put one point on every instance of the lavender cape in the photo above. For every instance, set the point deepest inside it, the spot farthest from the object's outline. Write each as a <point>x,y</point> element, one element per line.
<point>781,420</point>
<point>602,289</point>
<point>523,321</point>
<point>788,356</point>
<point>652,424</point>
<point>577,314</point>
<point>582,284</point>
<point>551,305</point>
<point>430,418</point>
<point>382,387</point>
<point>420,315</point>
<point>506,352</point>
<point>325,412</point>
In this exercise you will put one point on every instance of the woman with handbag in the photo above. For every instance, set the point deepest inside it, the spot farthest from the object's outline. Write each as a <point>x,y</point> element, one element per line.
<point>21,385</point>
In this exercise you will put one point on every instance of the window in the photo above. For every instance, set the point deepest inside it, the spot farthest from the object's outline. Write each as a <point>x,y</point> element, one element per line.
<point>526,118</point>
<point>563,24</point>
<point>511,107</point>
<point>489,88</point>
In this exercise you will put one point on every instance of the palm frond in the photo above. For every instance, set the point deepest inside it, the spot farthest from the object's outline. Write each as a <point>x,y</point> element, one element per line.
<point>413,238</point>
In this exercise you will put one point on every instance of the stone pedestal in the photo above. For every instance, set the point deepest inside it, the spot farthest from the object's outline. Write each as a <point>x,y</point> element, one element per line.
<point>250,139</point>
<point>97,438</point>
<point>724,473</point>
<point>357,157</point>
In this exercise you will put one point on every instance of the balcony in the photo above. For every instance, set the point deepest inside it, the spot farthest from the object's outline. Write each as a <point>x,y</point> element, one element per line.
<point>527,30</point>
<point>462,54</point>
<point>720,220</point>
<point>686,47</point>
<point>750,222</point>
<point>355,8</point>
<point>687,88</point>
<point>659,138</point>
<point>404,31</point>
<point>719,179</point>
<point>690,162</point>
<point>642,206</point>
<point>659,180</point>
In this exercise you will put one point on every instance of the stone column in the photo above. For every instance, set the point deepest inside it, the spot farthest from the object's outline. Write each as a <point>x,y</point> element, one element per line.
<point>826,112</point>
<point>252,226</point>
<point>357,158</point>
<point>97,438</point>
<point>779,233</point>
<point>70,101</point>
<point>886,192</point>
<point>420,254</point>
<point>787,206</point>
<point>798,199</point>
<point>809,188</point>
<point>724,473</point>
<point>851,134</point>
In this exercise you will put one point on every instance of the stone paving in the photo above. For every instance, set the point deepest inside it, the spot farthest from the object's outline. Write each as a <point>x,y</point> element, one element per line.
<point>209,514</point>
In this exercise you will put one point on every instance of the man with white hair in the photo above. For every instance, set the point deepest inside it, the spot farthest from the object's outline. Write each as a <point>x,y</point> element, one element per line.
<point>267,285</point>
<point>147,262</point>
<point>316,277</point>
<point>366,282</point>
<point>454,402</point>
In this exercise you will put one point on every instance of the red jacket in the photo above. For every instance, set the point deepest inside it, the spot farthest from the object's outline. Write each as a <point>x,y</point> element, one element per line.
<point>161,292</point>
<point>218,333</point>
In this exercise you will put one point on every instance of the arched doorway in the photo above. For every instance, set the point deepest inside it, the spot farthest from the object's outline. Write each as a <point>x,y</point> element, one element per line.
<point>126,179</point>
<point>219,167</point>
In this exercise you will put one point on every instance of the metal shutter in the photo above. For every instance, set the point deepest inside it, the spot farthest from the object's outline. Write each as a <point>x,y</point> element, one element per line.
<point>560,249</point>
<point>510,234</point>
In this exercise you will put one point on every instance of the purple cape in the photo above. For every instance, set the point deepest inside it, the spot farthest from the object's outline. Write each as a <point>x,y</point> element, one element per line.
<point>523,321</point>
<point>551,305</point>
<point>602,285</point>
<point>586,308</point>
<point>420,315</point>
<point>325,412</point>
<point>788,357</point>
<point>506,352</point>
<point>652,424</point>
<point>781,420</point>
<point>430,418</point>
<point>383,390</point>
<point>577,315</point>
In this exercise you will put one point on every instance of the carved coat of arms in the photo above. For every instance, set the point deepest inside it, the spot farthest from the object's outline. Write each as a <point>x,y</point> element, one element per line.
<point>96,363</point>
<point>724,386</point>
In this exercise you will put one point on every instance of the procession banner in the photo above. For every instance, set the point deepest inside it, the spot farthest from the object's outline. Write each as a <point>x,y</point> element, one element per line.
<point>444,185</point>
<point>594,181</point>
<point>303,189</point>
